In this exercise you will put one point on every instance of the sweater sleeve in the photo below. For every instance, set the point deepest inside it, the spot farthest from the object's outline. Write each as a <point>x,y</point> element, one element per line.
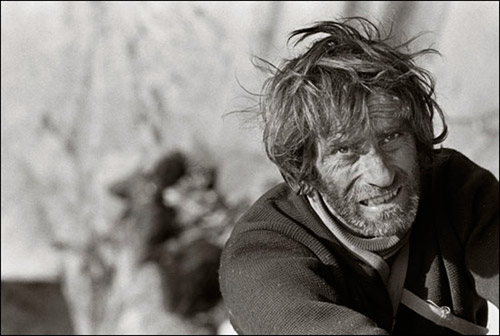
<point>482,247</point>
<point>273,284</point>
<point>474,199</point>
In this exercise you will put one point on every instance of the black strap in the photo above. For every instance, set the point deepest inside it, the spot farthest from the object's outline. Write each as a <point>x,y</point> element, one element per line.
<point>396,280</point>
<point>442,316</point>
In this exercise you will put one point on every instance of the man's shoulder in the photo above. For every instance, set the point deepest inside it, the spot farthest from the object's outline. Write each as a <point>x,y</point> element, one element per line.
<point>462,186</point>
<point>276,201</point>
<point>278,193</point>
<point>456,168</point>
<point>282,211</point>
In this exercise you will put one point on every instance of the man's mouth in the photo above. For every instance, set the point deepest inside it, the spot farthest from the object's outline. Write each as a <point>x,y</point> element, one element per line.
<point>381,199</point>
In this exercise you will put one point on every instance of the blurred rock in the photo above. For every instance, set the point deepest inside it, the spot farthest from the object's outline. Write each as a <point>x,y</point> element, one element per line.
<point>34,308</point>
<point>176,222</point>
<point>190,276</point>
<point>150,222</point>
<point>136,307</point>
<point>226,328</point>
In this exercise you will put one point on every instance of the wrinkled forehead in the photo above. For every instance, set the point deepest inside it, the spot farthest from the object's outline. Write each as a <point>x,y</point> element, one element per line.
<point>384,106</point>
<point>368,112</point>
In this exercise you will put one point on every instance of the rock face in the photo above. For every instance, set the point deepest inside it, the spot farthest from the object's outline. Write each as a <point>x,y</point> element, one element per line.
<point>176,222</point>
<point>34,308</point>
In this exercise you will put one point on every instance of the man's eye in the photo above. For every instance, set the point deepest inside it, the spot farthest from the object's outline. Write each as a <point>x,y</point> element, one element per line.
<point>391,137</point>
<point>343,150</point>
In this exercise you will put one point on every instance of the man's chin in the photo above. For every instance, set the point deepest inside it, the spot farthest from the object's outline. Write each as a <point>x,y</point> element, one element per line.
<point>385,230</point>
<point>384,221</point>
<point>370,229</point>
<point>369,219</point>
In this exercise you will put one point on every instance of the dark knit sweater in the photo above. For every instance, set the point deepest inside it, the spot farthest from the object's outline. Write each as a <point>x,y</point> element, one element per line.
<point>283,272</point>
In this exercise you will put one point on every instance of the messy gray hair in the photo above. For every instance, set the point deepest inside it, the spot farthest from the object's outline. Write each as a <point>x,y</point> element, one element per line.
<point>326,87</point>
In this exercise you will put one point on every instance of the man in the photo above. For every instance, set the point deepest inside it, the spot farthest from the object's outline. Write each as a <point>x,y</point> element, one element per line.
<point>375,231</point>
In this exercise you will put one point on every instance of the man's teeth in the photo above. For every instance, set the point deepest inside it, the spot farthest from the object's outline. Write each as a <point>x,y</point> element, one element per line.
<point>379,199</point>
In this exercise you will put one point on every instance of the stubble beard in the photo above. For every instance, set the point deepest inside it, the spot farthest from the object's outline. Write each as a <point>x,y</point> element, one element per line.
<point>394,221</point>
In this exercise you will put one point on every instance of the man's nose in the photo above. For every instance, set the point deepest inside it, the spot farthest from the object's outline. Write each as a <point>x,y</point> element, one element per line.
<point>376,170</point>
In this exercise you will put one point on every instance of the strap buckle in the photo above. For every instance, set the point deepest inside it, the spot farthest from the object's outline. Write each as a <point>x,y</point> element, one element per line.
<point>444,310</point>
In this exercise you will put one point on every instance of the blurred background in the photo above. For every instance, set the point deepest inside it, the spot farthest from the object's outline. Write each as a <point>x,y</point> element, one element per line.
<point>123,168</point>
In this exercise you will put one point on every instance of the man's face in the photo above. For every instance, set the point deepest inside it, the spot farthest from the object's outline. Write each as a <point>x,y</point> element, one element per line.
<point>371,180</point>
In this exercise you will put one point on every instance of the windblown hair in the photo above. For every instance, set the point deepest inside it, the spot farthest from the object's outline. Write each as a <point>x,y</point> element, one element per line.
<point>325,90</point>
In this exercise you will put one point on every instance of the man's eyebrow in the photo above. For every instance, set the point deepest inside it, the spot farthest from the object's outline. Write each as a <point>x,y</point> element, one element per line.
<point>394,124</point>
<point>336,142</point>
<point>346,137</point>
<point>398,126</point>
<point>338,138</point>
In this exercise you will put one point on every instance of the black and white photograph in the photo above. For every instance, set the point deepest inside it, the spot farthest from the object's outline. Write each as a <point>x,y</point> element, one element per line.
<point>250,167</point>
